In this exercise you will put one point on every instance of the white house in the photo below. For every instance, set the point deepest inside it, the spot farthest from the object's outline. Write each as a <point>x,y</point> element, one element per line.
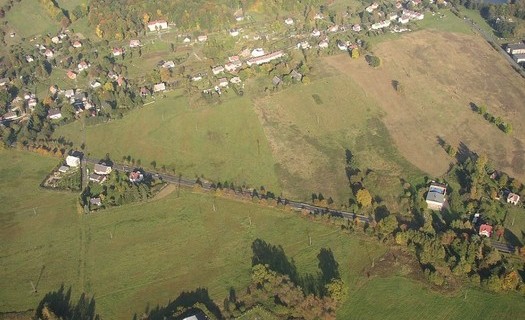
<point>288,21</point>
<point>235,80</point>
<point>223,82</point>
<point>54,114</point>
<point>159,87</point>
<point>73,161</point>
<point>257,52</point>
<point>83,65</point>
<point>316,33</point>
<point>436,196</point>
<point>356,28</point>
<point>157,25</point>
<point>102,169</point>
<point>513,198</point>
<point>323,44</point>
<point>168,64</point>
<point>49,53</point>
<point>234,32</point>
<point>134,43</point>
<point>333,28</point>
<point>117,52</point>
<point>217,70</point>
<point>77,44</point>
<point>342,46</point>
<point>265,59</point>
<point>202,38</point>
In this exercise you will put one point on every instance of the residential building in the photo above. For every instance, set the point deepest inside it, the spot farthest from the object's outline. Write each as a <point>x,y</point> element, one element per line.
<point>372,7</point>
<point>63,169</point>
<point>516,48</point>
<point>159,87</point>
<point>95,202</point>
<point>157,25</point>
<point>134,43</point>
<point>235,80</point>
<point>217,70</point>
<point>102,169</point>
<point>168,64</point>
<point>288,21</point>
<point>73,161</point>
<point>513,198</point>
<point>202,38</point>
<point>234,32</point>
<point>11,115</point>
<point>54,114</point>
<point>71,74</point>
<point>223,82</point>
<point>4,82</point>
<point>520,57</point>
<point>118,52</point>
<point>77,44</point>
<point>323,44</point>
<point>356,27</point>
<point>136,176</point>
<point>83,65</point>
<point>266,58</point>
<point>485,230</point>
<point>436,196</point>
<point>257,52</point>
<point>315,33</point>
<point>49,53</point>
<point>97,178</point>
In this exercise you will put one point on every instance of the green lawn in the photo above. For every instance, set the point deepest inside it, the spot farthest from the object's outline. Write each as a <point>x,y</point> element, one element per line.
<point>221,141</point>
<point>400,298</point>
<point>48,240</point>
<point>29,18</point>
<point>145,254</point>
<point>449,22</point>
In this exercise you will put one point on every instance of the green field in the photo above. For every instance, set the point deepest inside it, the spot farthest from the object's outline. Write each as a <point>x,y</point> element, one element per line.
<point>145,254</point>
<point>221,142</point>
<point>400,298</point>
<point>28,18</point>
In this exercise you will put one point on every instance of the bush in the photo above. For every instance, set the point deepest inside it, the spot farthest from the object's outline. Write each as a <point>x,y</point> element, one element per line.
<point>373,61</point>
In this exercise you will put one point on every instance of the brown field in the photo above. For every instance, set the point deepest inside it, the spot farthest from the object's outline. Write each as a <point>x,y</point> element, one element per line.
<point>442,73</point>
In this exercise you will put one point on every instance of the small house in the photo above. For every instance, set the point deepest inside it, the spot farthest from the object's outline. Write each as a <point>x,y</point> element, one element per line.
<point>117,52</point>
<point>4,82</point>
<point>136,176</point>
<point>102,169</point>
<point>71,74</point>
<point>323,44</point>
<point>168,64</point>
<point>296,75</point>
<point>516,48</point>
<point>73,161</point>
<point>159,87</point>
<point>77,44</point>
<point>513,198</point>
<point>257,52</point>
<point>436,196</point>
<point>202,38</point>
<point>288,21</point>
<point>97,178</point>
<point>83,65</point>
<point>187,39</point>
<point>95,84</point>
<point>95,202</point>
<point>144,92</point>
<point>333,28</point>
<point>315,33</point>
<point>29,58</point>
<point>134,43</point>
<point>234,32</point>
<point>217,70</point>
<point>235,80</point>
<point>54,114</point>
<point>223,82</point>
<point>276,81</point>
<point>49,53</point>
<point>157,25</point>
<point>485,230</point>
<point>63,169</point>
<point>342,46</point>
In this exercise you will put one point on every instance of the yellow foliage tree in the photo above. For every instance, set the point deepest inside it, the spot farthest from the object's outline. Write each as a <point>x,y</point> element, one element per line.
<point>364,198</point>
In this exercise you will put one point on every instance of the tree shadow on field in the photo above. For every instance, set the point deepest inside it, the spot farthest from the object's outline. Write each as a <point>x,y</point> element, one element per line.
<point>328,265</point>
<point>186,300</point>
<point>275,258</point>
<point>59,302</point>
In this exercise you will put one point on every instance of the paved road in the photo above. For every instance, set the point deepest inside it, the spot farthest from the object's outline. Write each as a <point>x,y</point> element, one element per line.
<point>185,182</point>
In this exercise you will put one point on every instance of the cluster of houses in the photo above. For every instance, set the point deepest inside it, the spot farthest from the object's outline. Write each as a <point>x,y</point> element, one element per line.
<point>436,199</point>
<point>517,51</point>
<point>19,106</point>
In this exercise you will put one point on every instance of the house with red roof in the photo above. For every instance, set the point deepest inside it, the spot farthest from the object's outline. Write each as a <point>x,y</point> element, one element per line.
<point>485,230</point>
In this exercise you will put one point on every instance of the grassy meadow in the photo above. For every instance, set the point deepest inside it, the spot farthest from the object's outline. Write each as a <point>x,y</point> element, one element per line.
<point>400,298</point>
<point>28,18</point>
<point>221,142</point>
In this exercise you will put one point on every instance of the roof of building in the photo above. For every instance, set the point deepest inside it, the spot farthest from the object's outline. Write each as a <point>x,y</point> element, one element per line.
<point>513,197</point>
<point>485,228</point>
<point>515,46</point>
<point>101,167</point>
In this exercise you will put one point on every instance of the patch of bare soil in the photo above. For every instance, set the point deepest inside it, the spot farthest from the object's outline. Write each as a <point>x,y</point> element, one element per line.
<point>441,75</point>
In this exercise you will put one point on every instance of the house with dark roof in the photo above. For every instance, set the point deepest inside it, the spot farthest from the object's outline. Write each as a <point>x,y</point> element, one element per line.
<point>436,196</point>
<point>95,202</point>
<point>97,178</point>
